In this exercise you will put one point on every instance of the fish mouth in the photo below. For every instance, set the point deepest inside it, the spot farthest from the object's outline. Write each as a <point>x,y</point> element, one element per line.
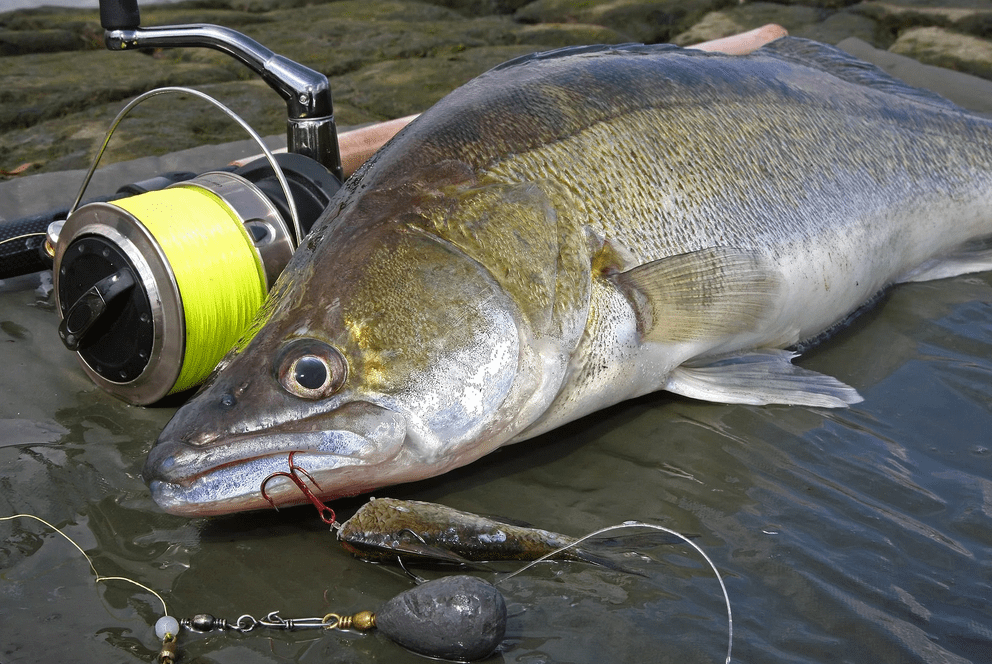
<point>227,474</point>
<point>224,489</point>
<point>237,487</point>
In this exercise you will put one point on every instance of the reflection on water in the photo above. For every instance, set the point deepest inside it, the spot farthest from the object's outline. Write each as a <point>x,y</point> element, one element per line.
<point>857,535</point>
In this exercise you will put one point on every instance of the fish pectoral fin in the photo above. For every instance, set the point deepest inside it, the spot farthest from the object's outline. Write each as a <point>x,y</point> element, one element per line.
<point>764,376</point>
<point>972,257</point>
<point>414,547</point>
<point>701,295</point>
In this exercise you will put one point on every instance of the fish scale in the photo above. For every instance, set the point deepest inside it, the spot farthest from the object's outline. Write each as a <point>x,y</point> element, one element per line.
<point>577,228</point>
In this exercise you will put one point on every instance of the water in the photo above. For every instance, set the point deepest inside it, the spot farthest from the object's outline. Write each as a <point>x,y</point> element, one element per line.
<point>858,535</point>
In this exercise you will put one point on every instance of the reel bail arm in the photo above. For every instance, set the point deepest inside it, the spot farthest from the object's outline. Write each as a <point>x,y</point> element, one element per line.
<point>310,129</point>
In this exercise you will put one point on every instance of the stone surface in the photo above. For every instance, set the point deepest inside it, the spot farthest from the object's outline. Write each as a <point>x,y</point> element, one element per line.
<point>965,90</point>
<point>965,16</point>
<point>843,25</point>
<point>60,89</point>
<point>638,20</point>
<point>944,48</point>
<point>745,17</point>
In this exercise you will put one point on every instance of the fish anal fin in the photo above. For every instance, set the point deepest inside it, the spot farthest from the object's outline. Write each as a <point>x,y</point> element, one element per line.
<point>761,377</point>
<point>409,544</point>
<point>585,556</point>
<point>701,295</point>
<point>971,257</point>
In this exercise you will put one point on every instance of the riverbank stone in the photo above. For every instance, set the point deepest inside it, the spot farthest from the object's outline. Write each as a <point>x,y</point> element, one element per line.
<point>60,88</point>
<point>946,48</point>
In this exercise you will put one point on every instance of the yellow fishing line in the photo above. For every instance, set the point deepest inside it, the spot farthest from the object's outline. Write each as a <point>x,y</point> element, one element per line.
<point>220,276</point>
<point>165,609</point>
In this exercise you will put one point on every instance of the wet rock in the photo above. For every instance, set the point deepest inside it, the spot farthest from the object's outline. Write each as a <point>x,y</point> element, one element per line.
<point>801,21</point>
<point>972,17</point>
<point>823,4</point>
<point>384,59</point>
<point>60,89</point>
<point>944,48</point>
<point>18,42</point>
<point>396,88</point>
<point>557,35</point>
<point>638,20</point>
<point>70,142</point>
<point>843,25</point>
<point>968,91</point>
<point>713,25</point>
<point>476,7</point>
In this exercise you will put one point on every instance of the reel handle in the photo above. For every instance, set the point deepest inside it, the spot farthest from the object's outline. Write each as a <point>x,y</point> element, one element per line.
<point>86,311</point>
<point>119,14</point>
<point>310,129</point>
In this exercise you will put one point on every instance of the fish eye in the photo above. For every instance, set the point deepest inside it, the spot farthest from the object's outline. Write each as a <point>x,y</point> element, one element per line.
<point>311,369</point>
<point>310,372</point>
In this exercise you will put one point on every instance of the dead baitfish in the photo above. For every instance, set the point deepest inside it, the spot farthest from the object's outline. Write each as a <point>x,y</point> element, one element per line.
<point>387,528</point>
<point>576,228</point>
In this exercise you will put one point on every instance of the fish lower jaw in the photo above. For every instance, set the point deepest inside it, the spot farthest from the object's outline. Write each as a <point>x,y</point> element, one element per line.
<point>237,487</point>
<point>169,497</point>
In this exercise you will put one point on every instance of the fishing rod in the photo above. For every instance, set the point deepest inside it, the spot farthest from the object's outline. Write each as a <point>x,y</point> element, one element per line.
<point>156,282</point>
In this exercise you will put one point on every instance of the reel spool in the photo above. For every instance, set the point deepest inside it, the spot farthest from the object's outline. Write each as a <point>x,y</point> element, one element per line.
<point>154,289</point>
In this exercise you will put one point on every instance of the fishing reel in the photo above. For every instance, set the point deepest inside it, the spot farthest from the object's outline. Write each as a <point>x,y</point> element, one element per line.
<point>154,288</point>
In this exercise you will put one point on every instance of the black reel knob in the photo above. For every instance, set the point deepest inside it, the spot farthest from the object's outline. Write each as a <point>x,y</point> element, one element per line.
<point>106,313</point>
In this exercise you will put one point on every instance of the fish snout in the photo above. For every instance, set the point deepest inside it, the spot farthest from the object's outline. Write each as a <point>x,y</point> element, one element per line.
<point>203,472</point>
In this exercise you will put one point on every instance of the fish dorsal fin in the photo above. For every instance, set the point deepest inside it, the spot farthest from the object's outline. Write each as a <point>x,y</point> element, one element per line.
<point>700,295</point>
<point>506,521</point>
<point>846,67</point>
<point>585,49</point>
<point>765,376</point>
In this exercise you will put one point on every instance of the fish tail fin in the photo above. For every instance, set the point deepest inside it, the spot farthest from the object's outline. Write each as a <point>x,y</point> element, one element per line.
<point>585,556</point>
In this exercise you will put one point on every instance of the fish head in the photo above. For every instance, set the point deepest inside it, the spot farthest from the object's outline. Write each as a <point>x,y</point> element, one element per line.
<point>384,354</point>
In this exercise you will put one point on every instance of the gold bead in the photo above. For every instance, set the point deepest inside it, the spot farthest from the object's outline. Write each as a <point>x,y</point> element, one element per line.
<point>363,621</point>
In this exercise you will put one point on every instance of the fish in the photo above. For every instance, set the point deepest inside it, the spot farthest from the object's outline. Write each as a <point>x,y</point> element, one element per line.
<point>384,529</point>
<point>573,229</point>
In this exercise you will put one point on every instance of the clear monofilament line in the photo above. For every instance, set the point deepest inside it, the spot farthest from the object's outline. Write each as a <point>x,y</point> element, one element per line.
<point>280,177</point>
<point>639,524</point>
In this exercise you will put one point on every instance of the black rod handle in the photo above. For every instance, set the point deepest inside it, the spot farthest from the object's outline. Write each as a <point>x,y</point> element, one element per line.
<point>21,243</point>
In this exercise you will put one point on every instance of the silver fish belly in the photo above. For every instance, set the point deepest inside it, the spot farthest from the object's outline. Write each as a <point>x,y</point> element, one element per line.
<point>577,228</point>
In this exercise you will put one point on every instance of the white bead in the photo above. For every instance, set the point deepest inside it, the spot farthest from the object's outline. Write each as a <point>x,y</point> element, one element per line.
<point>166,625</point>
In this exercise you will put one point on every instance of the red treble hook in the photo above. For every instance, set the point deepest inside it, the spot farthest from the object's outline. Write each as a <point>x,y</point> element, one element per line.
<point>322,509</point>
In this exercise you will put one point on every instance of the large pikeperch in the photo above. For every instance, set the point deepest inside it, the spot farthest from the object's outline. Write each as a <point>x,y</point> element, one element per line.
<point>577,228</point>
